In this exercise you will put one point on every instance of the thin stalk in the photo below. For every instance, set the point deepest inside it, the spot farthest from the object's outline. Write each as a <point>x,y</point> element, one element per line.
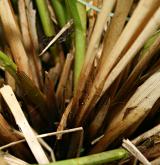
<point>96,159</point>
<point>46,21</point>
<point>62,17</point>
<point>78,13</point>
<point>45,18</point>
<point>60,12</point>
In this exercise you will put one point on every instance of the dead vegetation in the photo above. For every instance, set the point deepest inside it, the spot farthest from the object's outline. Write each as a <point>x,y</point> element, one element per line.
<point>85,71</point>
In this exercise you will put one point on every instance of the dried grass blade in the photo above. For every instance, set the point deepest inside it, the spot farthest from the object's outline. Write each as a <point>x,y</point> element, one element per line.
<point>132,149</point>
<point>63,122</point>
<point>24,24</point>
<point>142,92</point>
<point>31,16</point>
<point>33,95</point>
<point>25,13</point>
<point>141,65</point>
<point>150,28</point>
<point>98,121</point>
<point>136,109</point>
<point>23,124</point>
<point>63,80</point>
<point>13,36</point>
<point>41,141</point>
<point>140,17</point>
<point>98,29</point>
<point>116,26</point>
<point>47,147</point>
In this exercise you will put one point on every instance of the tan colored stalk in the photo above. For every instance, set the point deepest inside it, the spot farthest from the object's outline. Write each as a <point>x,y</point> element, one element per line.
<point>13,36</point>
<point>63,123</point>
<point>95,91</point>
<point>134,112</point>
<point>23,124</point>
<point>63,79</point>
<point>99,27</point>
<point>140,17</point>
<point>115,28</point>
<point>27,18</point>
<point>98,121</point>
<point>150,28</point>
<point>41,141</point>
<point>141,65</point>
<point>69,87</point>
<point>135,152</point>
<point>31,17</point>
<point>24,24</point>
<point>146,90</point>
<point>46,146</point>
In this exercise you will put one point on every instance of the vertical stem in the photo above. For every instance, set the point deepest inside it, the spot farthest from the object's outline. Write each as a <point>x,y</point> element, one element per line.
<point>45,18</point>
<point>59,11</point>
<point>80,43</point>
<point>46,23</point>
<point>78,13</point>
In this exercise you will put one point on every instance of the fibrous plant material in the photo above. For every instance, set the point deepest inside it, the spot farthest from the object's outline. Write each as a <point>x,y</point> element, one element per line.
<point>13,36</point>
<point>29,37</point>
<point>101,83</point>
<point>21,121</point>
<point>150,49</point>
<point>116,26</point>
<point>132,149</point>
<point>100,72</point>
<point>146,135</point>
<point>44,135</point>
<point>93,45</point>
<point>134,112</point>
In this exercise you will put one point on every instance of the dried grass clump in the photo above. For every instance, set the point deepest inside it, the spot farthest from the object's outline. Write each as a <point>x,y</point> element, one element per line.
<point>78,78</point>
